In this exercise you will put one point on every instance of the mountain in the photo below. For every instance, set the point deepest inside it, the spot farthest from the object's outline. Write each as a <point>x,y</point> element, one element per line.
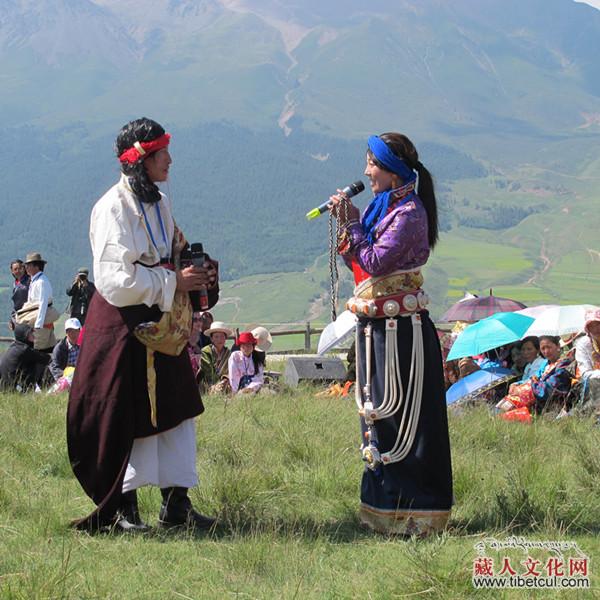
<point>270,103</point>
<point>455,68</point>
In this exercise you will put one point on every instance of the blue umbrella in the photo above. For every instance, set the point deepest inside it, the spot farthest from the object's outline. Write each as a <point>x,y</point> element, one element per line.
<point>477,382</point>
<point>493,332</point>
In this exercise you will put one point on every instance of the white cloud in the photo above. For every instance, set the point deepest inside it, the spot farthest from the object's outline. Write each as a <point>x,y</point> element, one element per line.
<point>594,3</point>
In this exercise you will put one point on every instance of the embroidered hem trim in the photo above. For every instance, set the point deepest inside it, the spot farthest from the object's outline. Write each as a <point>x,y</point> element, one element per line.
<point>404,521</point>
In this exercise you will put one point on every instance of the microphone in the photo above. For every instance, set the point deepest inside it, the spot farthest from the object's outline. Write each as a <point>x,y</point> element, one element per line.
<point>351,190</point>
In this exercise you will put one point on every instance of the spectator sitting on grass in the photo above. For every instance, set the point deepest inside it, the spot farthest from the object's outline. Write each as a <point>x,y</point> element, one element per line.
<point>66,351</point>
<point>214,359</point>
<point>246,366</point>
<point>530,356</point>
<point>206,321</point>
<point>587,354</point>
<point>264,341</point>
<point>22,367</point>
<point>548,387</point>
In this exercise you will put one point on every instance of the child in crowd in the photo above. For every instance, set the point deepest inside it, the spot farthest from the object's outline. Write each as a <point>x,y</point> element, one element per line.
<point>246,365</point>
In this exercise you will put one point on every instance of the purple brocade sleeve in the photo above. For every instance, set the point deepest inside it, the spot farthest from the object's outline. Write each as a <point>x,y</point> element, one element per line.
<point>401,241</point>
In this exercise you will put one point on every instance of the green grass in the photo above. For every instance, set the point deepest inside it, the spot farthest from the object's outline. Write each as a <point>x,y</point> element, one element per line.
<point>582,272</point>
<point>530,294</point>
<point>282,473</point>
<point>475,264</point>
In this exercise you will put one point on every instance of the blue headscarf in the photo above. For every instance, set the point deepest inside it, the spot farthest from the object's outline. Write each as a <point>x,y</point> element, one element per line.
<point>378,207</point>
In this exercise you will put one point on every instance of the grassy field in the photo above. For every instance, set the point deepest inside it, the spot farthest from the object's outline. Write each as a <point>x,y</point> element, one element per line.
<point>282,474</point>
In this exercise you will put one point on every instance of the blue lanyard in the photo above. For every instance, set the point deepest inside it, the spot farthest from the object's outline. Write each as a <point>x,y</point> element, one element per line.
<point>247,364</point>
<point>162,227</point>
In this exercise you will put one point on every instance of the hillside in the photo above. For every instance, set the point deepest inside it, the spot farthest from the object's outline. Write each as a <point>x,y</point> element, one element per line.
<point>520,68</point>
<point>270,102</point>
<point>243,194</point>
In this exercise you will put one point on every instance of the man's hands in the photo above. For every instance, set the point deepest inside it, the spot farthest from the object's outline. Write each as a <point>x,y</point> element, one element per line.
<point>192,279</point>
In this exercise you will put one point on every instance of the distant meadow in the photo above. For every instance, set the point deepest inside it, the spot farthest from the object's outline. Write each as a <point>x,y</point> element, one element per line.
<point>501,98</point>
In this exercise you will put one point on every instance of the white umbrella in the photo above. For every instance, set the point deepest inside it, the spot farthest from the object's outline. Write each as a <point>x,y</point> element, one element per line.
<point>337,331</point>
<point>560,320</point>
<point>536,311</point>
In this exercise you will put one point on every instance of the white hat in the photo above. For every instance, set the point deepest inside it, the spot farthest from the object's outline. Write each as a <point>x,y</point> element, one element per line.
<point>72,324</point>
<point>218,326</point>
<point>265,341</point>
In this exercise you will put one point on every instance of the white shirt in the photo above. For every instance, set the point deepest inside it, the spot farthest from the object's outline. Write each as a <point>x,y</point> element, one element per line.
<point>240,365</point>
<point>583,356</point>
<point>40,292</point>
<point>120,241</point>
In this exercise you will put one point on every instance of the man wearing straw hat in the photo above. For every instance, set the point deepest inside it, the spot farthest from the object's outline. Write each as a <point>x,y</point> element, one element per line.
<point>214,357</point>
<point>39,304</point>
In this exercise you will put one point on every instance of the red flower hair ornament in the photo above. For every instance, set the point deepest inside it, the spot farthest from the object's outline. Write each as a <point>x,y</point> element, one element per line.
<point>143,149</point>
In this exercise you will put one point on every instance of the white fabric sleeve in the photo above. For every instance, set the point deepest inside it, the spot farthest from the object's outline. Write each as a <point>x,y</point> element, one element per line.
<point>235,374</point>
<point>45,297</point>
<point>583,355</point>
<point>118,278</point>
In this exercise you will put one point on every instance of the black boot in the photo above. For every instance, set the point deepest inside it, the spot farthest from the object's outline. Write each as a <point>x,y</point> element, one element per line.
<point>128,518</point>
<point>177,511</point>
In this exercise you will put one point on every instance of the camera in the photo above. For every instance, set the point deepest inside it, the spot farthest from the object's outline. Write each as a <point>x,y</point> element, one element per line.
<point>195,255</point>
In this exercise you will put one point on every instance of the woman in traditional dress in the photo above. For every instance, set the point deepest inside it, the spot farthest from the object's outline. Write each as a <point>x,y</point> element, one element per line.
<point>587,347</point>
<point>587,355</point>
<point>134,397</point>
<point>550,386</point>
<point>214,358</point>
<point>532,360</point>
<point>407,482</point>
<point>246,366</point>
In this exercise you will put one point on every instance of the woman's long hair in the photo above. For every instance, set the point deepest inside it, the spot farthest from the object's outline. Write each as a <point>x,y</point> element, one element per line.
<point>402,147</point>
<point>258,359</point>
<point>140,130</point>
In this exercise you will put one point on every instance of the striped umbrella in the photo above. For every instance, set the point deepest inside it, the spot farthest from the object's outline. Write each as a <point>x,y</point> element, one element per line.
<point>474,309</point>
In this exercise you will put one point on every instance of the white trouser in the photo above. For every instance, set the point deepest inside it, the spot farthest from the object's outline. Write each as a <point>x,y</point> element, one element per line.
<point>167,459</point>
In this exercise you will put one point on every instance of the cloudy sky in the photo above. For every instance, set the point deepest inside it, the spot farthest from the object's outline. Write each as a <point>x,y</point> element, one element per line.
<point>595,3</point>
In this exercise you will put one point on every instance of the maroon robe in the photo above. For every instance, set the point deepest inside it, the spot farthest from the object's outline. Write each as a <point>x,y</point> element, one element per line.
<point>109,404</point>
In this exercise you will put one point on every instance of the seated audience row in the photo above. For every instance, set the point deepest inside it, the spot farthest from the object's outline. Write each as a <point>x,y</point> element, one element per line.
<point>547,387</point>
<point>544,375</point>
<point>220,369</point>
<point>23,368</point>
<point>587,354</point>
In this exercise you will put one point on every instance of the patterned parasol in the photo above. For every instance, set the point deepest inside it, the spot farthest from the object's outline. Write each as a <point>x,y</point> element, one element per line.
<point>474,309</point>
<point>473,385</point>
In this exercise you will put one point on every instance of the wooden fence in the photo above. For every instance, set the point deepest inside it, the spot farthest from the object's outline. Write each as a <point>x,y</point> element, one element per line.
<point>308,331</point>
